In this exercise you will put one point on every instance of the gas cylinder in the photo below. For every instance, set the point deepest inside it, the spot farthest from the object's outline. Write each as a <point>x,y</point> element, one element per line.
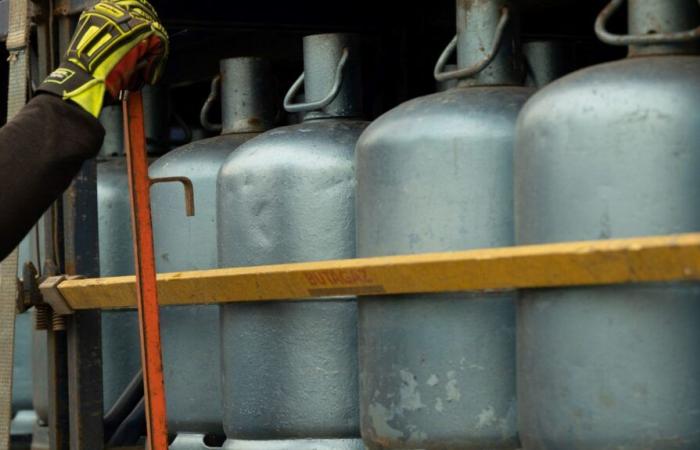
<point>546,60</point>
<point>190,335</point>
<point>290,368</point>
<point>121,359</point>
<point>435,174</point>
<point>120,336</point>
<point>612,151</point>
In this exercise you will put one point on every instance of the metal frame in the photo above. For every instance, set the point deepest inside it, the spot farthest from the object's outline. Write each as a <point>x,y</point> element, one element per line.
<point>84,329</point>
<point>634,260</point>
<point>70,7</point>
<point>4,18</point>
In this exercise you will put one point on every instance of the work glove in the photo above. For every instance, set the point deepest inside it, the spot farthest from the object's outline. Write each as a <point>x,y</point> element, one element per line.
<point>118,45</point>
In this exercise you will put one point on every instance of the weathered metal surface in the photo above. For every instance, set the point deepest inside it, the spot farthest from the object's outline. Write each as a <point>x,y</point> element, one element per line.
<point>84,344</point>
<point>487,44</point>
<point>610,152</point>
<point>58,420</point>
<point>81,247</point>
<point>331,65</point>
<point>69,7</point>
<point>191,338</point>
<point>145,267</point>
<point>248,104</point>
<point>435,174</point>
<point>547,60</point>
<point>40,390</point>
<point>289,368</point>
<point>655,27</point>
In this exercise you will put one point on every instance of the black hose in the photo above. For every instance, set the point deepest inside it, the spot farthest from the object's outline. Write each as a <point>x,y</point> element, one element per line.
<point>125,405</point>
<point>132,428</point>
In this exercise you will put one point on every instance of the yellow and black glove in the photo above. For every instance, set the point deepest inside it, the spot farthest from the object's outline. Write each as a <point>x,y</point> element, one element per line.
<point>118,45</point>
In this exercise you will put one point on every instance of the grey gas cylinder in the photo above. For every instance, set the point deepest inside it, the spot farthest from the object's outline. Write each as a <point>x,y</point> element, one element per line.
<point>613,151</point>
<point>547,60</point>
<point>290,368</point>
<point>120,336</point>
<point>190,335</point>
<point>435,174</point>
<point>121,358</point>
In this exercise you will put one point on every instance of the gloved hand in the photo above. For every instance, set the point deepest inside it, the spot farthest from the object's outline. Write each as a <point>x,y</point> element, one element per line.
<point>118,45</point>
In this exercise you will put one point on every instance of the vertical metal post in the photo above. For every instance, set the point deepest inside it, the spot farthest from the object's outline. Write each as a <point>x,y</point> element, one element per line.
<point>81,353</point>
<point>57,367</point>
<point>58,390</point>
<point>84,329</point>
<point>144,263</point>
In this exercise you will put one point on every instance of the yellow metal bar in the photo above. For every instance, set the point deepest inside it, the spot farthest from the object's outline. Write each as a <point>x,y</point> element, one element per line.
<point>649,259</point>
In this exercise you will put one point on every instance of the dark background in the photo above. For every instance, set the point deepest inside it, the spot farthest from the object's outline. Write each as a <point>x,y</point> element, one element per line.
<point>402,41</point>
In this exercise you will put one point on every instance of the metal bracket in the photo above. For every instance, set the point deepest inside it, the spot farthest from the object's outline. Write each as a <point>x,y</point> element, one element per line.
<point>28,293</point>
<point>52,295</point>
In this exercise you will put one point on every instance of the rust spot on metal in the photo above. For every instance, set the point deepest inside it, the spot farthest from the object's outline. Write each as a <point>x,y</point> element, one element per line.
<point>255,122</point>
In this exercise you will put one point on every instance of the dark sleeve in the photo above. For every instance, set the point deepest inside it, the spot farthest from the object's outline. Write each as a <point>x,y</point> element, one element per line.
<point>41,149</point>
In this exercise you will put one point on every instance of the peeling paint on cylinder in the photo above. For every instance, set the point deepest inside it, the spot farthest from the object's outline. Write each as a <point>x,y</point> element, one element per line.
<point>435,174</point>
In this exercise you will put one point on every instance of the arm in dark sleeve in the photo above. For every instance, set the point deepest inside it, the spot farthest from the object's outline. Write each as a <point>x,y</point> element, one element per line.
<point>41,149</point>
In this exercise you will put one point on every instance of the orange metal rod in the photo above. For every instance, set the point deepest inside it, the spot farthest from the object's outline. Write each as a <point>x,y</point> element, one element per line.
<point>144,258</point>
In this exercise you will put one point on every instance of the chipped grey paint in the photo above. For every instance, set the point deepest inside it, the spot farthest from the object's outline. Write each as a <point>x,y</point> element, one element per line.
<point>435,174</point>
<point>290,368</point>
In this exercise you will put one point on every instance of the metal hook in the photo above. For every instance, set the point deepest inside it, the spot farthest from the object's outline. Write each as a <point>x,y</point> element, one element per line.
<point>204,113</point>
<point>186,184</point>
<point>479,65</point>
<point>320,104</point>
<point>639,39</point>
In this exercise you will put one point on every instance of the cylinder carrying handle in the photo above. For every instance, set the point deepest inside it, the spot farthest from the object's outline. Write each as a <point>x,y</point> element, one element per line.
<point>639,39</point>
<point>479,65</point>
<point>204,113</point>
<point>320,104</point>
